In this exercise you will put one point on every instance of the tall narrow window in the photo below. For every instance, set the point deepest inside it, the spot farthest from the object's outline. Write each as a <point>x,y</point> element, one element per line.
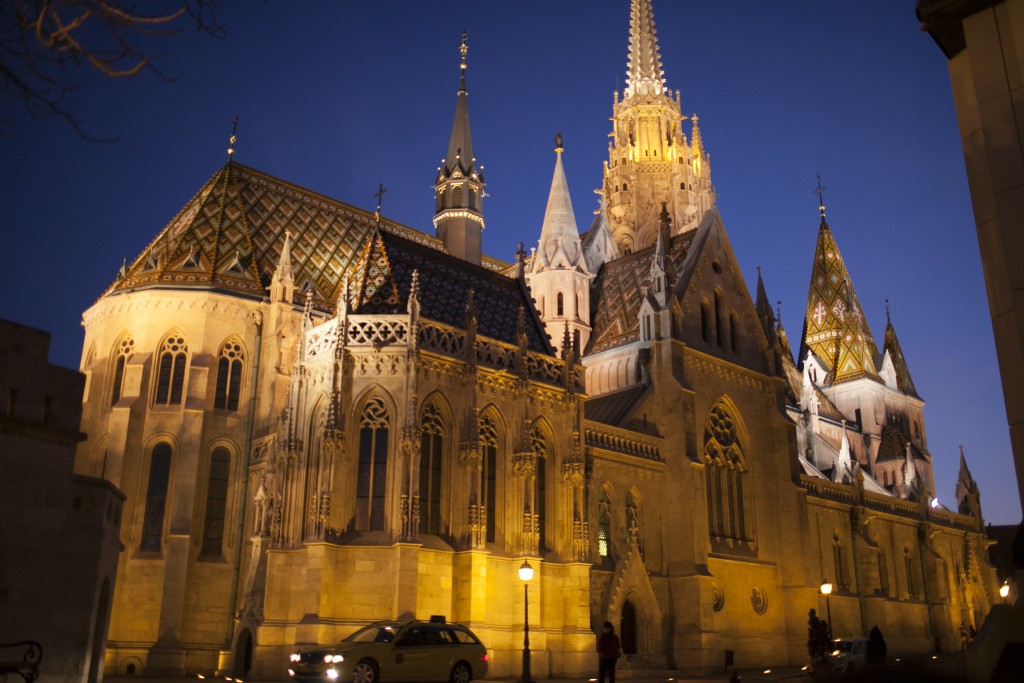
<point>604,524</point>
<point>909,565</point>
<point>431,435</point>
<point>734,332</point>
<point>124,352</point>
<point>489,472</point>
<point>719,332</point>
<point>705,324</point>
<point>540,447</point>
<point>725,478</point>
<point>156,497</point>
<point>472,198</point>
<point>216,502</point>
<point>229,376</point>
<point>371,478</point>
<point>560,306</point>
<point>457,196</point>
<point>170,382</point>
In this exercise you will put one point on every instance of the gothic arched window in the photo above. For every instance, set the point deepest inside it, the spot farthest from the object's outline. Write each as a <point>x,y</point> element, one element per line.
<point>124,352</point>
<point>431,442</point>
<point>839,562</point>
<point>560,306</point>
<point>216,502</point>
<point>229,376</point>
<point>170,382</point>
<point>911,569</point>
<point>457,196</point>
<point>734,332</point>
<point>156,497</point>
<point>705,323</point>
<point>371,477</point>
<point>719,323</point>
<point>883,572</point>
<point>725,477</point>
<point>489,471</point>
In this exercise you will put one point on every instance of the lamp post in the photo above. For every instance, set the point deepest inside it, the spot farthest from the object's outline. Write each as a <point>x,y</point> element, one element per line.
<point>525,574</point>
<point>826,590</point>
<point>1004,590</point>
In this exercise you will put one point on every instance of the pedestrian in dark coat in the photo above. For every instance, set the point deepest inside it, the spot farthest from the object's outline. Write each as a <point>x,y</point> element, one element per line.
<point>608,651</point>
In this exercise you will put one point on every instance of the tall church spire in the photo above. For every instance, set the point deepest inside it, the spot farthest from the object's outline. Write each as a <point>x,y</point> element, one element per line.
<point>459,187</point>
<point>643,68</point>
<point>558,277</point>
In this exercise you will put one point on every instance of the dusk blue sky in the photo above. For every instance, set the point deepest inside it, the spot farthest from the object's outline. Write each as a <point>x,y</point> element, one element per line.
<point>338,97</point>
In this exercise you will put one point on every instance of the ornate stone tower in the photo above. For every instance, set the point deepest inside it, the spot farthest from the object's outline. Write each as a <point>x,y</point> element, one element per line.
<point>558,277</point>
<point>649,158</point>
<point>459,188</point>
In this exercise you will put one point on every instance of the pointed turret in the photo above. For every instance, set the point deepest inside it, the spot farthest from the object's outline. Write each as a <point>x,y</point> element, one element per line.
<point>835,328</point>
<point>644,75</point>
<point>558,275</point>
<point>968,498</point>
<point>910,479</point>
<point>895,371</point>
<point>661,274</point>
<point>282,286</point>
<point>459,187</point>
<point>844,473</point>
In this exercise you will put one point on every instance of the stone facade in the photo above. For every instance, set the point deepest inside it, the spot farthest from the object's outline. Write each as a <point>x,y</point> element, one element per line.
<point>392,432</point>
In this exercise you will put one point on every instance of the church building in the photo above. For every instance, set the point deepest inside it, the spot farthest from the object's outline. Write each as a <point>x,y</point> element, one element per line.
<point>322,418</point>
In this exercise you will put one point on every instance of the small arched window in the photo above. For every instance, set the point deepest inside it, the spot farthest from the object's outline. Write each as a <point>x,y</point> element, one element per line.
<point>229,376</point>
<point>647,328</point>
<point>372,470</point>
<point>883,572</point>
<point>216,502</point>
<point>124,352</point>
<point>625,187</point>
<point>156,497</point>
<point>560,305</point>
<point>705,324</point>
<point>734,332</point>
<point>170,382</point>
<point>472,198</point>
<point>540,447</point>
<point>911,569</point>
<point>604,524</point>
<point>457,196</point>
<point>431,442</point>
<point>719,323</point>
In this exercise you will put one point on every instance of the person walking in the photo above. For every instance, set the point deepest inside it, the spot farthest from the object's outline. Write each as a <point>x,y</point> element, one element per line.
<point>608,652</point>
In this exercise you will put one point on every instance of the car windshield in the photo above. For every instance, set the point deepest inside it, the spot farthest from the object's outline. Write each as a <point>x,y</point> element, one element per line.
<point>372,634</point>
<point>842,646</point>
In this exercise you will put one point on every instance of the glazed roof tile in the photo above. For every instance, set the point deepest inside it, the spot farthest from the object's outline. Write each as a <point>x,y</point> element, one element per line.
<point>892,345</point>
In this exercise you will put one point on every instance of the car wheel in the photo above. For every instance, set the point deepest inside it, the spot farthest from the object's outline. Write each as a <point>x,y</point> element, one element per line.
<point>461,673</point>
<point>365,672</point>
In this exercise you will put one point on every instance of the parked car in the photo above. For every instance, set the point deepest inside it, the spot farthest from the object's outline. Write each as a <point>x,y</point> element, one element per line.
<point>390,651</point>
<point>848,655</point>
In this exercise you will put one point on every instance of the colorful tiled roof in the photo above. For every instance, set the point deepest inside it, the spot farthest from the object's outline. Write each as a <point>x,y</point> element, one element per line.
<point>892,346</point>
<point>229,237</point>
<point>893,445</point>
<point>383,275</point>
<point>617,294</point>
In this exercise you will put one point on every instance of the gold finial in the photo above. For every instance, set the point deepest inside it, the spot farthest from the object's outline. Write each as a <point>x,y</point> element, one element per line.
<point>380,198</point>
<point>464,48</point>
<point>820,191</point>
<point>231,140</point>
<point>558,142</point>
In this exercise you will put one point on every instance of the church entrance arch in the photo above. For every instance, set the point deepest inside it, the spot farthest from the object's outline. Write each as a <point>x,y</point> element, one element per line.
<point>243,653</point>
<point>627,628</point>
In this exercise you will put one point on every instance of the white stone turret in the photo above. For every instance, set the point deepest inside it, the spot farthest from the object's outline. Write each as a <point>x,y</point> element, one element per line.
<point>558,275</point>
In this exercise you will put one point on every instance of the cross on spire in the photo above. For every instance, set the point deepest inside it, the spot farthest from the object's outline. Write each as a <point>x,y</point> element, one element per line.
<point>379,194</point>
<point>231,140</point>
<point>463,49</point>
<point>820,191</point>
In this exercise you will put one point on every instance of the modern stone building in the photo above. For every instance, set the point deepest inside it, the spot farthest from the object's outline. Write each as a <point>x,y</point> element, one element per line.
<point>58,530</point>
<point>323,418</point>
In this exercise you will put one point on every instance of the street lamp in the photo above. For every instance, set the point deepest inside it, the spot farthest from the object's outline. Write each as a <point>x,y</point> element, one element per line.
<point>525,574</point>
<point>1004,591</point>
<point>826,590</point>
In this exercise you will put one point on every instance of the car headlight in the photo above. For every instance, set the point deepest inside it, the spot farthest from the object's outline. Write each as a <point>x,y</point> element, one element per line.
<point>332,674</point>
<point>333,659</point>
<point>295,657</point>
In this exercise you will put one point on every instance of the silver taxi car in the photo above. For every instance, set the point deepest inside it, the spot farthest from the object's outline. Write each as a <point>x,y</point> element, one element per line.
<point>395,651</point>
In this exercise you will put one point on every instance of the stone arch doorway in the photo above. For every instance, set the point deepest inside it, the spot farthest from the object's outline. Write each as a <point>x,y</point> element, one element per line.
<point>627,628</point>
<point>243,653</point>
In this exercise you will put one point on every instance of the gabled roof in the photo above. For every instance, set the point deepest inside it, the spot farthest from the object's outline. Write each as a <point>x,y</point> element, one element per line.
<point>615,408</point>
<point>617,294</point>
<point>243,212</point>
<point>383,276</point>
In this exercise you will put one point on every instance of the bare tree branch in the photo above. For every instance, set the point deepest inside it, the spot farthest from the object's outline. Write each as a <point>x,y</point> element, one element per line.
<point>44,43</point>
